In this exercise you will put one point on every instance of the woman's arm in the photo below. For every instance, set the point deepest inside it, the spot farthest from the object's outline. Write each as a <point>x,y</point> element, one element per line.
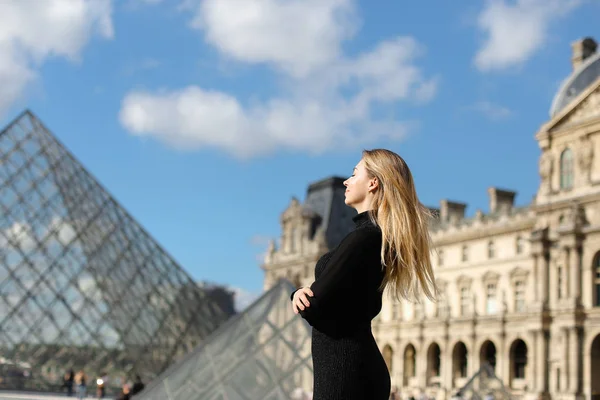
<point>345,263</point>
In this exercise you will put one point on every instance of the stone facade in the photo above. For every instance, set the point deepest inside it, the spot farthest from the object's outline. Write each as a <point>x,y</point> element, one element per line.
<point>520,286</point>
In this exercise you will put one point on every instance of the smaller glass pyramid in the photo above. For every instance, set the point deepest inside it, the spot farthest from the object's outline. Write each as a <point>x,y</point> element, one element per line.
<point>262,353</point>
<point>484,385</point>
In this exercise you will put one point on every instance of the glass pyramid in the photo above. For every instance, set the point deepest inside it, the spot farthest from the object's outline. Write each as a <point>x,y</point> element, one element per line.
<point>82,284</point>
<point>262,353</point>
<point>484,384</point>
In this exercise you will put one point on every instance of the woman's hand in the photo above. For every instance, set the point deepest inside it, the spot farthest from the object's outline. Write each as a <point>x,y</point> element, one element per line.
<point>300,301</point>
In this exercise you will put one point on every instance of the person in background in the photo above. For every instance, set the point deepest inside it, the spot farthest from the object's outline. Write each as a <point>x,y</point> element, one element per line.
<point>138,385</point>
<point>81,385</point>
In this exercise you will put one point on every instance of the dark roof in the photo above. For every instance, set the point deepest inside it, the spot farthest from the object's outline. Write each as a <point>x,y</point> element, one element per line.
<point>581,78</point>
<point>326,198</point>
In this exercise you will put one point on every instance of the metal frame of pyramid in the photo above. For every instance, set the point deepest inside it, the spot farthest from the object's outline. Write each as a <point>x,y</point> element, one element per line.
<point>262,353</point>
<point>82,284</point>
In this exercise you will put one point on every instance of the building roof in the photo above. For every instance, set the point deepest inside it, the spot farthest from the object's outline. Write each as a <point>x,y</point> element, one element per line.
<point>581,78</point>
<point>326,198</point>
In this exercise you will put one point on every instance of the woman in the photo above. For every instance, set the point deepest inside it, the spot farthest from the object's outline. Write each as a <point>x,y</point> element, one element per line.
<point>388,249</point>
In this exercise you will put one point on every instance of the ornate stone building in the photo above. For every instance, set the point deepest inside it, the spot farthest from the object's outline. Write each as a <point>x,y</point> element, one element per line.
<point>520,285</point>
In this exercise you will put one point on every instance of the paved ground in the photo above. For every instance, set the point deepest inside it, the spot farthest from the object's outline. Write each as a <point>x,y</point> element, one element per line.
<point>32,396</point>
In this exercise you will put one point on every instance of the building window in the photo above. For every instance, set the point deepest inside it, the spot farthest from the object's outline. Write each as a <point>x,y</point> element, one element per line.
<point>441,306</point>
<point>394,312</point>
<point>491,304</point>
<point>559,282</point>
<point>418,312</point>
<point>519,296</point>
<point>440,258</point>
<point>566,169</point>
<point>491,250</point>
<point>388,357</point>
<point>434,361</point>
<point>410,362</point>
<point>460,360</point>
<point>465,301</point>
<point>519,359</point>
<point>519,245</point>
<point>465,254</point>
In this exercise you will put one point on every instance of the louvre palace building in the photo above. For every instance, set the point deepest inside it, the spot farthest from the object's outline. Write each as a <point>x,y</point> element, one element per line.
<point>520,286</point>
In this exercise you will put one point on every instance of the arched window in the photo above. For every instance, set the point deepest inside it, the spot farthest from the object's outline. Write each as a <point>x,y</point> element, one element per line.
<point>388,356</point>
<point>433,361</point>
<point>518,359</point>
<point>459,360</point>
<point>487,354</point>
<point>597,279</point>
<point>566,169</point>
<point>410,361</point>
<point>491,249</point>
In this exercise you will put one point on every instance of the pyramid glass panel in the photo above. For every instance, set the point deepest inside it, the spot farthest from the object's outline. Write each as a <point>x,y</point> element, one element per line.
<point>82,284</point>
<point>484,384</point>
<point>262,353</point>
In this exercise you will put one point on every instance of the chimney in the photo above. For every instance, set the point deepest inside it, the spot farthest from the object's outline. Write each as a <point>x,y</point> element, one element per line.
<point>582,49</point>
<point>451,211</point>
<point>501,200</point>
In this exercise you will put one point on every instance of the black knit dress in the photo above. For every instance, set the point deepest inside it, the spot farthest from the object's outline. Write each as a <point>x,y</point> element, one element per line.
<point>346,360</point>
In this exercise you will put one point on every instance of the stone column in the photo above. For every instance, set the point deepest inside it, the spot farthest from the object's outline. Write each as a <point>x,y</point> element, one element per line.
<point>567,272</point>
<point>503,360</point>
<point>574,354</point>
<point>545,278</point>
<point>541,361</point>
<point>535,382</point>
<point>537,295</point>
<point>565,361</point>
<point>575,279</point>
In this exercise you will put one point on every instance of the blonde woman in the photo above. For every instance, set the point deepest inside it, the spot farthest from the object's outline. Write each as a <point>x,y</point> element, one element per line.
<point>388,249</point>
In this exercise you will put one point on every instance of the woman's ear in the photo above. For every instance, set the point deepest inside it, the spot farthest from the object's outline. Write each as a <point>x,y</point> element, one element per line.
<point>373,184</point>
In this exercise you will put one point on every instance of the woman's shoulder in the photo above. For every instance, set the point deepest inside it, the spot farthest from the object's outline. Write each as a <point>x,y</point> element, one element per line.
<point>363,234</point>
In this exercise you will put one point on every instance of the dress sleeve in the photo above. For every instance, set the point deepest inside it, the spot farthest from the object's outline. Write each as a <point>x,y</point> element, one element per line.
<point>344,264</point>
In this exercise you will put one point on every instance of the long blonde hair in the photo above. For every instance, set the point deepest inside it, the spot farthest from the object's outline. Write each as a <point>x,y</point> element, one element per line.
<point>404,223</point>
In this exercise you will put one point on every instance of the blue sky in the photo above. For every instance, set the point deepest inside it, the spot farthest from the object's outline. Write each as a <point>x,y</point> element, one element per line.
<point>204,117</point>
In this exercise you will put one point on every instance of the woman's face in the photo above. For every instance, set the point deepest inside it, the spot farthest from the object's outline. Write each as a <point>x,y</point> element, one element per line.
<point>358,187</point>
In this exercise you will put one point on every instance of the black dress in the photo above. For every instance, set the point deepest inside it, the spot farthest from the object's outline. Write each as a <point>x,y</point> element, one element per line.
<point>346,360</point>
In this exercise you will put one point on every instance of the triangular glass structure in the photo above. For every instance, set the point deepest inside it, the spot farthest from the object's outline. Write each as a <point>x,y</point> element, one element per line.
<point>82,284</point>
<point>262,353</point>
<point>483,385</point>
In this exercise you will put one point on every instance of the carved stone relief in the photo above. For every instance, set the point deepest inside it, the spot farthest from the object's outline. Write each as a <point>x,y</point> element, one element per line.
<point>546,167</point>
<point>585,158</point>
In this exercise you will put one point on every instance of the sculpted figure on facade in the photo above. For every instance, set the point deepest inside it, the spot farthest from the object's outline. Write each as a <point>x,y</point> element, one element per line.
<point>546,168</point>
<point>585,157</point>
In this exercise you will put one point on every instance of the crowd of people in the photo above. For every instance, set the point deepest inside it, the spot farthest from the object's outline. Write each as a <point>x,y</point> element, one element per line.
<point>76,384</point>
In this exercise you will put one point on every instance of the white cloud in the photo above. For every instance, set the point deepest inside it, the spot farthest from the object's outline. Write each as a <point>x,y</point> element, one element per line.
<point>26,237</point>
<point>492,111</point>
<point>32,31</point>
<point>297,36</point>
<point>515,30</point>
<point>327,98</point>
